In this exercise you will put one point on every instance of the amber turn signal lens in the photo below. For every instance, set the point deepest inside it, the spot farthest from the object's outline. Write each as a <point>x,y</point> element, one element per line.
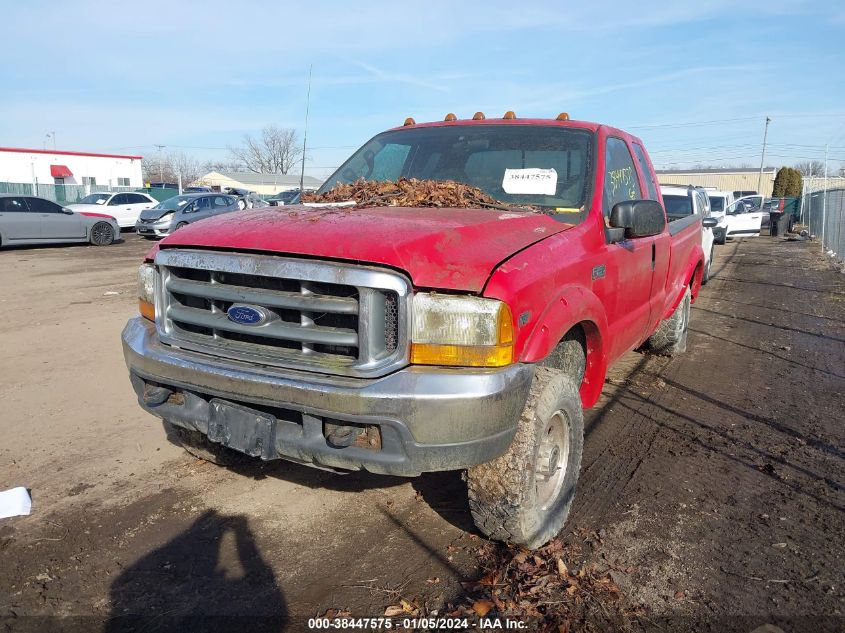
<point>147,309</point>
<point>509,115</point>
<point>462,355</point>
<point>409,121</point>
<point>563,116</point>
<point>450,117</point>
<point>478,116</point>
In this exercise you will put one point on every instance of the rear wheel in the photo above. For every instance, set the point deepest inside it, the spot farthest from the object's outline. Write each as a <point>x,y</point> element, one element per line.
<point>671,335</point>
<point>102,234</point>
<point>524,496</point>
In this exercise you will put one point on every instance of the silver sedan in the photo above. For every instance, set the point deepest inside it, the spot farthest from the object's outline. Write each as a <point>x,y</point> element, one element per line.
<point>31,220</point>
<point>176,212</point>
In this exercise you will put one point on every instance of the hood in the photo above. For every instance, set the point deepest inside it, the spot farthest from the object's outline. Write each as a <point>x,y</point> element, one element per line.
<point>449,249</point>
<point>155,214</point>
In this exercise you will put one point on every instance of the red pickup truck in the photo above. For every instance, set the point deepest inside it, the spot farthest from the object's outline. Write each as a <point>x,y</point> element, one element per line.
<point>402,340</point>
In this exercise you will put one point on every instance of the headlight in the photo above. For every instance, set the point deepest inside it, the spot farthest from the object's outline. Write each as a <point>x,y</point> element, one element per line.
<point>146,291</point>
<point>166,217</point>
<point>461,331</point>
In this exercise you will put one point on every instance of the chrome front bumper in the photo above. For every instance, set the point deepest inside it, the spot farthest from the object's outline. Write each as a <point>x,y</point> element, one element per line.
<point>429,418</point>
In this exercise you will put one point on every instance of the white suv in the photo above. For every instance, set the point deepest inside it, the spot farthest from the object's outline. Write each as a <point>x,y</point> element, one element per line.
<point>720,201</point>
<point>681,202</point>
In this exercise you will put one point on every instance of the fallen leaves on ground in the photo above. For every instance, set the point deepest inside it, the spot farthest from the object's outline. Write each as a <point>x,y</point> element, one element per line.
<point>545,586</point>
<point>406,192</point>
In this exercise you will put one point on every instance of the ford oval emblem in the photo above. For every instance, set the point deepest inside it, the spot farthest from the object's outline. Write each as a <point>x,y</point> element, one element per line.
<point>246,315</point>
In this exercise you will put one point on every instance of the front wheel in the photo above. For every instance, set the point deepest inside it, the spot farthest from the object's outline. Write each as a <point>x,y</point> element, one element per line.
<point>102,234</point>
<point>524,496</point>
<point>180,225</point>
<point>670,338</point>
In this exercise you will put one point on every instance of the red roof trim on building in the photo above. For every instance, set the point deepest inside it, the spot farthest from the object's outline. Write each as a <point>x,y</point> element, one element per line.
<point>60,171</point>
<point>23,150</point>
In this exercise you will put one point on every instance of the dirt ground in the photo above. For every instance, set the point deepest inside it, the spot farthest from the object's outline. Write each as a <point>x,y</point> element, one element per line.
<point>711,486</point>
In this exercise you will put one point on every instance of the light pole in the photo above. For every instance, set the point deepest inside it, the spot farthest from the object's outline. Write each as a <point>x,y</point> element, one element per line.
<point>763,157</point>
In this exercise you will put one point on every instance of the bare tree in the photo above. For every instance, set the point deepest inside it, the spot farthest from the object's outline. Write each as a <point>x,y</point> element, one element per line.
<point>276,152</point>
<point>168,167</point>
<point>810,168</point>
<point>223,165</point>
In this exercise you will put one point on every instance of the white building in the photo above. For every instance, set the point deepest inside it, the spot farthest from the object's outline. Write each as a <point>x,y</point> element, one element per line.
<point>53,167</point>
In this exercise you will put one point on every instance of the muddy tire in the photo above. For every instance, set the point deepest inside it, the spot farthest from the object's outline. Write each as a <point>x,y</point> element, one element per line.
<point>524,496</point>
<point>198,445</point>
<point>102,234</point>
<point>671,335</point>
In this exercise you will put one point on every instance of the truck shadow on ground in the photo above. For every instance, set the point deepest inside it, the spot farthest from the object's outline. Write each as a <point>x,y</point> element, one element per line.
<point>211,577</point>
<point>445,492</point>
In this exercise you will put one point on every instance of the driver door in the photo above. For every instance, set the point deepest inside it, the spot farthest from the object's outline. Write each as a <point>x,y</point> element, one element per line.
<point>745,217</point>
<point>55,223</point>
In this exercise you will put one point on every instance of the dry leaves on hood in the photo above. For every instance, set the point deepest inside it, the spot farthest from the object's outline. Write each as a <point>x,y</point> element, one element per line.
<point>407,192</point>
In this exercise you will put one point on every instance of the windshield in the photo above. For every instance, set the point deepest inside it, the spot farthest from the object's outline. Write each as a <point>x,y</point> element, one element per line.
<point>542,166</point>
<point>717,203</point>
<point>95,198</point>
<point>677,205</point>
<point>176,202</point>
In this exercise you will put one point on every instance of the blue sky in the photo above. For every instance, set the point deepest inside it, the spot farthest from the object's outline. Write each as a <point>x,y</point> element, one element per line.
<point>197,76</point>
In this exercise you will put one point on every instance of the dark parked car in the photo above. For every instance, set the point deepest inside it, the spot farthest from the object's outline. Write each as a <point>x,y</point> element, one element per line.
<point>31,220</point>
<point>284,197</point>
<point>176,212</point>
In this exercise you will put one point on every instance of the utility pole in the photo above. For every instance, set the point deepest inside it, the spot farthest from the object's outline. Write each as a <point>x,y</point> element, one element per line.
<point>160,163</point>
<point>763,157</point>
<point>305,133</point>
<point>824,198</point>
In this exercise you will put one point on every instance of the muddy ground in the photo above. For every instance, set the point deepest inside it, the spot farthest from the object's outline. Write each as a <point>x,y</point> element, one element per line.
<point>711,486</point>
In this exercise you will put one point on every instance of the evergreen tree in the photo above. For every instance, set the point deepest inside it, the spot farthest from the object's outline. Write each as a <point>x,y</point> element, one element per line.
<point>793,187</point>
<point>781,182</point>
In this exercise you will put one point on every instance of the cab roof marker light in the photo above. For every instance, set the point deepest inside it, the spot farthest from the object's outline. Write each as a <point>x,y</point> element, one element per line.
<point>409,121</point>
<point>509,115</point>
<point>478,116</point>
<point>450,117</point>
<point>563,116</point>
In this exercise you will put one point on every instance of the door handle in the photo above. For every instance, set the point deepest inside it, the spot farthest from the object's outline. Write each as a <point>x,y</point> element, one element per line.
<point>653,254</point>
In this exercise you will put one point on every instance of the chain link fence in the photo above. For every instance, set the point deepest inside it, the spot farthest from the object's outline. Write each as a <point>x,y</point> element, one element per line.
<point>823,212</point>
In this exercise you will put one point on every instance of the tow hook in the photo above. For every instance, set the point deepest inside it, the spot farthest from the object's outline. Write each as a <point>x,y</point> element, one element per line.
<point>343,436</point>
<point>154,396</point>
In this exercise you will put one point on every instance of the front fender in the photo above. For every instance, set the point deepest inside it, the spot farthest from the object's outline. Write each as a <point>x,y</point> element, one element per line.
<point>573,305</point>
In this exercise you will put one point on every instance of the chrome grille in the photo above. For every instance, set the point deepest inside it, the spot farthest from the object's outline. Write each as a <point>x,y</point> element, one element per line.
<point>320,316</point>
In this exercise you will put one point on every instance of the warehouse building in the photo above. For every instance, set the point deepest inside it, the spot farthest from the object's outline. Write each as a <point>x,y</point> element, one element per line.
<point>262,184</point>
<point>731,179</point>
<point>55,167</point>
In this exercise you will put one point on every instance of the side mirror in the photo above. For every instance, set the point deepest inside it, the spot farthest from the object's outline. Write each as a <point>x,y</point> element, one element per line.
<point>638,218</point>
<point>709,223</point>
<point>67,211</point>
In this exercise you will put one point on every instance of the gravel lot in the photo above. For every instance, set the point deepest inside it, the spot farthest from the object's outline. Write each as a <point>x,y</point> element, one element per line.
<point>712,484</point>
